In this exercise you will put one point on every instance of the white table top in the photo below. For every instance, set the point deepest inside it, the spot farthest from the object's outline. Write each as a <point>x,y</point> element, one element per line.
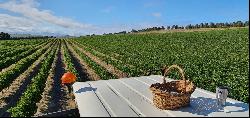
<point>131,97</point>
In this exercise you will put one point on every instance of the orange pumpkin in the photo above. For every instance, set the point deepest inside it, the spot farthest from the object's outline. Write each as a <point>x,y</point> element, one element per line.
<point>68,78</point>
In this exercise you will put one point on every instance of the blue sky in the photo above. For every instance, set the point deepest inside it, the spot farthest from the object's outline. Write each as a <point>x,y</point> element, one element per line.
<point>76,17</point>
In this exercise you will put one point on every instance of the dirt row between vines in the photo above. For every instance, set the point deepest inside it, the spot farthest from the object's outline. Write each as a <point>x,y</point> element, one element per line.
<point>10,95</point>
<point>55,96</point>
<point>12,66</point>
<point>81,66</point>
<point>110,68</point>
<point>42,105</point>
<point>114,58</point>
<point>69,100</point>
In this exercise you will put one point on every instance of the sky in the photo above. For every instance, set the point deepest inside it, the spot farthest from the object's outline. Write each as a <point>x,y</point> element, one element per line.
<point>82,17</point>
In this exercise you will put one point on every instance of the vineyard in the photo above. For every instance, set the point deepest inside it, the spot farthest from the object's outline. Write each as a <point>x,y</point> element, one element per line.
<point>30,70</point>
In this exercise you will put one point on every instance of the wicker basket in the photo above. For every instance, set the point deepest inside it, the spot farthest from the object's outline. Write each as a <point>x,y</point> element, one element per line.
<point>174,94</point>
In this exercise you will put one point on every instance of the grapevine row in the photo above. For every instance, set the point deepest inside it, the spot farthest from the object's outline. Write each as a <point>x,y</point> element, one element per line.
<point>26,106</point>
<point>98,69</point>
<point>8,76</point>
<point>17,50</point>
<point>50,82</point>
<point>10,60</point>
<point>68,61</point>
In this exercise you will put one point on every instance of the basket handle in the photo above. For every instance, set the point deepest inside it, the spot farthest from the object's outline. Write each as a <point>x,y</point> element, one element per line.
<point>180,70</point>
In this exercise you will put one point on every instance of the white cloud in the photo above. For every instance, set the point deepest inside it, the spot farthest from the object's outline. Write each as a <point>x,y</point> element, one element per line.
<point>16,24</point>
<point>157,14</point>
<point>33,20</point>
<point>28,8</point>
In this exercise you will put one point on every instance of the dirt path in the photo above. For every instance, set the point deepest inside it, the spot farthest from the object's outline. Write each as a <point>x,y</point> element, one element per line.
<point>60,99</point>
<point>56,96</point>
<point>88,72</point>
<point>69,100</point>
<point>9,96</point>
<point>110,68</point>
<point>57,91</point>
<point>46,95</point>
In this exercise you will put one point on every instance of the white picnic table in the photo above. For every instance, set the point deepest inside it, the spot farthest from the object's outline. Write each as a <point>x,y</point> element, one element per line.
<point>131,97</point>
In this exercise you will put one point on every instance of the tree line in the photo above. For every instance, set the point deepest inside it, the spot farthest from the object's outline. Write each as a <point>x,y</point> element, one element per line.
<point>189,26</point>
<point>6,36</point>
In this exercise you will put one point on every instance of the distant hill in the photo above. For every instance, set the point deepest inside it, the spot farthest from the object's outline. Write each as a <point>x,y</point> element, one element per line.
<point>23,35</point>
<point>32,35</point>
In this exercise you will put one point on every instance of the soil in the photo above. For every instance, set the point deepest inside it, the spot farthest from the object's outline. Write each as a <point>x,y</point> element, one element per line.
<point>59,97</point>
<point>110,68</point>
<point>84,70</point>
<point>9,96</point>
<point>12,66</point>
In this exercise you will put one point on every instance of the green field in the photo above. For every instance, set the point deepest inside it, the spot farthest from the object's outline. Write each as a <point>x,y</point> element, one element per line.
<point>210,59</point>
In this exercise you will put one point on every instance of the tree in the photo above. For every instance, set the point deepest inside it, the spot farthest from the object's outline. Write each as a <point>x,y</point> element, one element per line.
<point>133,31</point>
<point>233,24</point>
<point>206,25</point>
<point>239,24</point>
<point>173,27</point>
<point>162,27</point>
<point>212,25</point>
<point>246,23</point>
<point>217,25</point>
<point>4,36</point>
<point>122,32</point>
<point>201,25</point>
<point>227,24</point>
<point>176,27</point>
<point>168,27</point>
<point>188,26</point>
<point>222,24</point>
<point>196,26</point>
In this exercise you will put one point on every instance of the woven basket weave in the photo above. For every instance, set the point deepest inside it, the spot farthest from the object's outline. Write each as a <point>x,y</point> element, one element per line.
<point>174,94</point>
